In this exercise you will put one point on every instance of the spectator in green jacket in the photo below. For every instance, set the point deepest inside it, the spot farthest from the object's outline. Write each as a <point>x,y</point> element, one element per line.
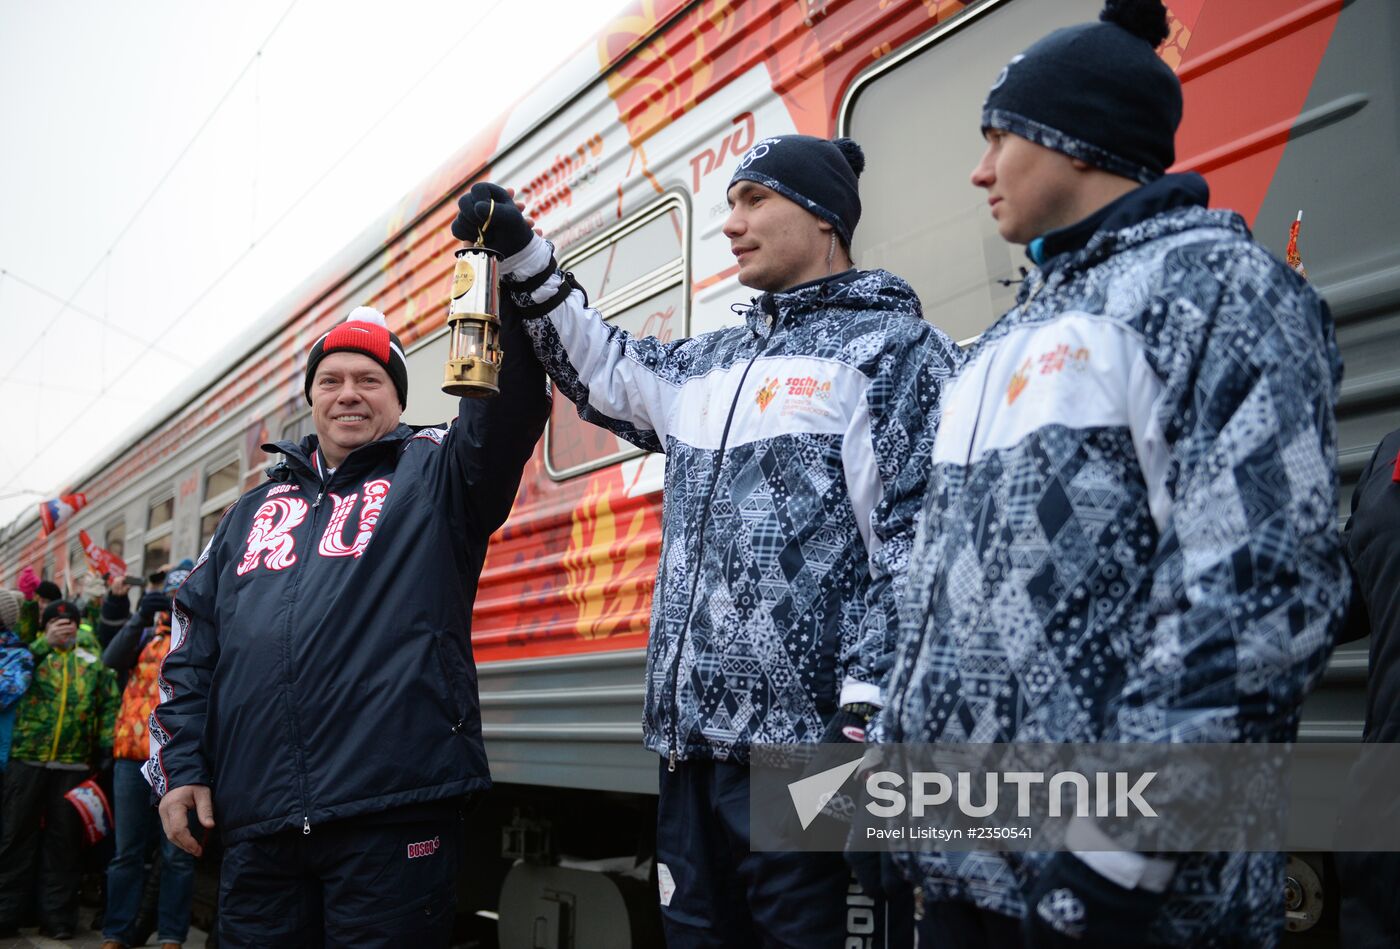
<point>62,734</point>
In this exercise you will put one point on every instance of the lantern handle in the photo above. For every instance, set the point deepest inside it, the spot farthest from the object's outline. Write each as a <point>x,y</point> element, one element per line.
<point>481,231</point>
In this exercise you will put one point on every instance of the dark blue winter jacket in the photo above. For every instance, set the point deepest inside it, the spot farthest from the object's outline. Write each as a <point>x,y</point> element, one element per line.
<point>321,664</point>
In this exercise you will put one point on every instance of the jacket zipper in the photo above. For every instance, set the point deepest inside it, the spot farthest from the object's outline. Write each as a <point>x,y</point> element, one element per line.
<point>62,705</point>
<point>700,550</point>
<point>287,663</point>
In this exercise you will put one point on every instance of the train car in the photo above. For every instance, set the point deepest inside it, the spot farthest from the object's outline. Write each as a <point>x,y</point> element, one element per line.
<point>624,153</point>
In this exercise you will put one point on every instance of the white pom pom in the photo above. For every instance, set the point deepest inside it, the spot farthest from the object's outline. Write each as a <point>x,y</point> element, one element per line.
<point>367,314</point>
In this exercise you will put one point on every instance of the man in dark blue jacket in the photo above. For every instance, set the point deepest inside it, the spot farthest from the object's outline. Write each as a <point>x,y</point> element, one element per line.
<point>320,696</point>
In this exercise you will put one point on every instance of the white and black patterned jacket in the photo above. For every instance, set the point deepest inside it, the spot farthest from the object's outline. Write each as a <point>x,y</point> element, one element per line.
<point>796,457</point>
<point>1128,535</point>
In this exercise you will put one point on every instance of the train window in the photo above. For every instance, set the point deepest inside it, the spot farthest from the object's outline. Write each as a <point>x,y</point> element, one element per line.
<point>427,403</point>
<point>115,538</point>
<point>161,513</point>
<point>635,275</point>
<point>221,480</point>
<point>298,428</point>
<point>77,561</point>
<point>159,523</point>
<point>155,553</point>
<point>651,245</point>
<point>917,114</point>
<point>221,484</point>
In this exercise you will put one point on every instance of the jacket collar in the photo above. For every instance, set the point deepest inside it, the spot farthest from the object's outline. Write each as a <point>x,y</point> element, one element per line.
<point>301,456</point>
<point>849,290</point>
<point>1171,205</point>
<point>1168,193</point>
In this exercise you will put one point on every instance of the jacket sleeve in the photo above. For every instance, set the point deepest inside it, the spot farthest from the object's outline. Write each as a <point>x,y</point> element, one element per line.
<point>28,624</point>
<point>492,438</point>
<point>1239,454</point>
<point>887,453</point>
<point>620,382</point>
<point>124,648</point>
<point>15,676</point>
<point>109,700</point>
<point>177,722</point>
<point>115,612</point>
<point>1358,620</point>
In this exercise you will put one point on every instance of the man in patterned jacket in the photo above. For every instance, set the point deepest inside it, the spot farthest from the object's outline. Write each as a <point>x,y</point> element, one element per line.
<point>796,455</point>
<point>1128,533</point>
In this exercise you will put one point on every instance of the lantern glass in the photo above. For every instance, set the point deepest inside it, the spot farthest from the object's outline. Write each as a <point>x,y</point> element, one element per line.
<point>473,340</point>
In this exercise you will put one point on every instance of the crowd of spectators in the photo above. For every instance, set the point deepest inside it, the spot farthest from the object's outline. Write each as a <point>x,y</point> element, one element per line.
<point>78,681</point>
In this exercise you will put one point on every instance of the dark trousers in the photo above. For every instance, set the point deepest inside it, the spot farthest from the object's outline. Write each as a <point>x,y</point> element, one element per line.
<point>717,892</point>
<point>1370,882</point>
<point>964,926</point>
<point>43,832</point>
<point>379,881</point>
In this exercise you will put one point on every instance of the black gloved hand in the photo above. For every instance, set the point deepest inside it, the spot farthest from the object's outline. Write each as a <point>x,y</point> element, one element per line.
<point>849,723</point>
<point>505,229</point>
<point>1072,904</point>
<point>151,604</point>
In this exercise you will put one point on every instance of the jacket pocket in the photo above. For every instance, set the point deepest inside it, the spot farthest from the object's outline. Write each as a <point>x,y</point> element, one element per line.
<point>452,675</point>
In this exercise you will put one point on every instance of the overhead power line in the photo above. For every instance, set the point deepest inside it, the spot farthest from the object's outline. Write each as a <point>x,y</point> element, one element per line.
<point>126,228</point>
<point>468,33</point>
<point>151,344</point>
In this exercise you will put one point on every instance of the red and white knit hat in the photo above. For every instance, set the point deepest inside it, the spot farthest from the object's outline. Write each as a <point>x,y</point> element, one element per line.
<point>364,331</point>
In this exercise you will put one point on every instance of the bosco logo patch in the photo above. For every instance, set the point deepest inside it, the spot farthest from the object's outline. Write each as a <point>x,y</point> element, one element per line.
<point>424,848</point>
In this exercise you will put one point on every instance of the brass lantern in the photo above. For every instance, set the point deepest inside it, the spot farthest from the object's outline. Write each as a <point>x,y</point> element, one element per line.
<point>474,321</point>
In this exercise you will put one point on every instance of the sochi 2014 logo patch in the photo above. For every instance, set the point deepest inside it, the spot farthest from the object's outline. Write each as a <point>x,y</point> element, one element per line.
<point>424,848</point>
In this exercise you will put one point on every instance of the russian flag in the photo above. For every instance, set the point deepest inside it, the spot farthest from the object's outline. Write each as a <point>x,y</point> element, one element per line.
<point>55,511</point>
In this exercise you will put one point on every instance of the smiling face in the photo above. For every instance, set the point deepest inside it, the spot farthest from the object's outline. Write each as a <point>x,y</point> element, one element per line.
<point>353,402</point>
<point>777,243</point>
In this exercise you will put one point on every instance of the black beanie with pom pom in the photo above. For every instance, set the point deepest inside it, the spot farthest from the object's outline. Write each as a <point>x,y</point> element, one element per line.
<point>814,173</point>
<point>1097,92</point>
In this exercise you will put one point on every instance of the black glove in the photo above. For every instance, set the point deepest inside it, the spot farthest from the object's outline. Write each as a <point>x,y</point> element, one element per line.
<point>1072,904</point>
<point>849,723</point>
<point>150,605</point>
<point>505,229</point>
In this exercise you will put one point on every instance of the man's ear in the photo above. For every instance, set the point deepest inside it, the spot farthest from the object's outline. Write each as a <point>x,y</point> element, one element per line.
<point>1079,164</point>
<point>823,225</point>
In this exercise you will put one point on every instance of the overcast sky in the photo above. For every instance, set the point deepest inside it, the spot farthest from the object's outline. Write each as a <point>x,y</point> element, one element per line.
<point>171,170</point>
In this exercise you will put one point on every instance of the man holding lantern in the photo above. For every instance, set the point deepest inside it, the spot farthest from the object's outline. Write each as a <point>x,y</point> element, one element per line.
<point>319,702</point>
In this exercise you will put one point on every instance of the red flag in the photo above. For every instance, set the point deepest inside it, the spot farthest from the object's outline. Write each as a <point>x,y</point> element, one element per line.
<point>56,510</point>
<point>1295,260</point>
<point>102,562</point>
<point>93,810</point>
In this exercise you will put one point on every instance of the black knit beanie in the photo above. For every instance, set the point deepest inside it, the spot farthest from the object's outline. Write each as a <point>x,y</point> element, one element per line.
<point>814,173</point>
<point>60,609</point>
<point>1097,92</point>
<point>366,332</point>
